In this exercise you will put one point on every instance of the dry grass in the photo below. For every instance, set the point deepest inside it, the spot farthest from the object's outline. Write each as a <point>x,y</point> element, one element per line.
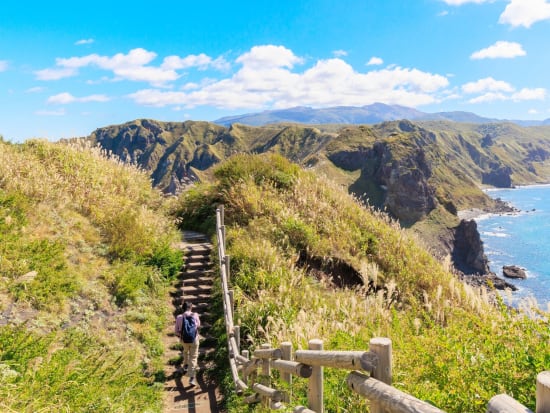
<point>81,221</point>
<point>448,337</point>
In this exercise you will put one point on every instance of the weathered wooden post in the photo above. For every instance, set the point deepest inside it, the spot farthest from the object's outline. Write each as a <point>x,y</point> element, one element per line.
<point>543,392</point>
<point>502,403</point>
<point>226,260</point>
<point>286,349</point>
<point>222,225</point>
<point>245,354</point>
<point>231,294</point>
<point>315,384</point>
<point>237,332</point>
<point>381,346</point>
<point>266,373</point>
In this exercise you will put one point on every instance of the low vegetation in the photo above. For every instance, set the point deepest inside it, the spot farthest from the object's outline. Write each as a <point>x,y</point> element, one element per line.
<point>85,255</point>
<point>453,346</point>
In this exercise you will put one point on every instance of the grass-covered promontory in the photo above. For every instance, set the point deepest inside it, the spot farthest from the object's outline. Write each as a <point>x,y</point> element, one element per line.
<point>294,239</point>
<point>85,257</point>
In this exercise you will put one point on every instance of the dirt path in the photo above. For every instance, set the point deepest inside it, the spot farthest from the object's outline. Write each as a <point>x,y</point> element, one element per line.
<point>195,285</point>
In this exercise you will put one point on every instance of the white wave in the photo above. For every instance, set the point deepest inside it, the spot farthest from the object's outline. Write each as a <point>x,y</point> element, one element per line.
<point>495,234</point>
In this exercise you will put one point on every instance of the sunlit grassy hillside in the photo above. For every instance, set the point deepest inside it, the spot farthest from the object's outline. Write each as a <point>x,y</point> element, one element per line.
<point>84,257</point>
<point>292,236</point>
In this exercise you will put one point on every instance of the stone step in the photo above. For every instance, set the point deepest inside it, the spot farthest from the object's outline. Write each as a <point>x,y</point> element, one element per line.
<point>206,281</point>
<point>193,299</point>
<point>197,265</point>
<point>204,247</point>
<point>196,289</point>
<point>199,280</point>
<point>196,272</point>
<point>198,258</point>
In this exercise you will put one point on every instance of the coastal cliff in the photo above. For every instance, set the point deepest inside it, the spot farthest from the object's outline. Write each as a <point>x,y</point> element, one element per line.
<point>420,173</point>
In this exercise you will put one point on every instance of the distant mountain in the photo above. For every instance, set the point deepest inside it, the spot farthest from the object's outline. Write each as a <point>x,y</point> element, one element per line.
<point>369,114</point>
<point>457,116</point>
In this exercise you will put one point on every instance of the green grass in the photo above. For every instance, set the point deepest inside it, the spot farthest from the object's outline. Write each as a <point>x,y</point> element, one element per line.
<point>85,259</point>
<point>451,346</point>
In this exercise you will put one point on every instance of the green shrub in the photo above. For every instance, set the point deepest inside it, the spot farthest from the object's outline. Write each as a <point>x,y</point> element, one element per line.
<point>73,372</point>
<point>167,259</point>
<point>131,283</point>
<point>263,170</point>
<point>196,210</point>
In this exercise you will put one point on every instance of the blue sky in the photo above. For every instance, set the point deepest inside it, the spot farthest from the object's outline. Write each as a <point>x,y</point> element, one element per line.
<point>67,68</point>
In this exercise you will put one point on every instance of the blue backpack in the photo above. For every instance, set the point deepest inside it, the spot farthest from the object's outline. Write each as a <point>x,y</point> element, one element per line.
<point>189,328</point>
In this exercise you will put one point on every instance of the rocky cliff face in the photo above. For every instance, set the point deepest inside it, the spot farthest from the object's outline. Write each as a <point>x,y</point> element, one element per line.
<point>412,170</point>
<point>500,177</point>
<point>409,196</point>
<point>468,254</point>
<point>171,151</point>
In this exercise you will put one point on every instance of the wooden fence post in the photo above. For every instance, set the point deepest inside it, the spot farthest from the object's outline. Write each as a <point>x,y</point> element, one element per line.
<point>226,260</point>
<point>315,384</point>
<point>286,349</point>
<point>543,392</point>
<point>237,333</point>
<point>245,354</point>
<point>381,346</point>
<point>232,302</point>
<point>266,373</point>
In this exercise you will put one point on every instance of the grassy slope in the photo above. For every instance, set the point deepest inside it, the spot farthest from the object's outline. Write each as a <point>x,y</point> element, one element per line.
<point>84,252</point>
<point>450,346</point>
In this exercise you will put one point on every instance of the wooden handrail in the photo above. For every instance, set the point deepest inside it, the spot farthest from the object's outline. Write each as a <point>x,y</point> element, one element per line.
<point>387,396</point>
<point>309,364</point>
<point>338,359</point>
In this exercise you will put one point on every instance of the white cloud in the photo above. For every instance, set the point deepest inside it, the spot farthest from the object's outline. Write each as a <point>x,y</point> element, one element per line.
<point>269,56</point>
<point>491,90</point>
<point>525,12</point>
<point>500,49</point>
<point>339,53</point>
<point>175,62</point>
<point>267,79</point>
<point>133,66</point>
<point>3,65</point>
<point>84,41</point>
<point>55,73</point>
<point>66,98</point>
<point>487,84</point>
<point>374,61</point>
<point>488,97</point>
<point>201,61</point>
<point>533,112</point>
<point>461,2</point>
<point>530,94</point>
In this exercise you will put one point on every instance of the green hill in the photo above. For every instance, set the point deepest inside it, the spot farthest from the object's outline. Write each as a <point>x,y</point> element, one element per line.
<point>422,173</point>
<point>310,261</point>
<point>84,260</point>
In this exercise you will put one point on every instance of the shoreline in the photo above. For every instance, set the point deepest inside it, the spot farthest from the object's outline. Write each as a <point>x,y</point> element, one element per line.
<point>503,208</point>
<point>524,252</point>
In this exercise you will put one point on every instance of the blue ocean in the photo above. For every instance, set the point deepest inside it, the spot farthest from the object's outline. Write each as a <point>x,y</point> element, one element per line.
<point>521,239</point>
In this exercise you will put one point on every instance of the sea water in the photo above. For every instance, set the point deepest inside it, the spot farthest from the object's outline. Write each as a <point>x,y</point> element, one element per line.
<point>521,239</point>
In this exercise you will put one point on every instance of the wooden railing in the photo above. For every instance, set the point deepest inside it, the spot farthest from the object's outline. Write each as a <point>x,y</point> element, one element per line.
<point>370,371</point>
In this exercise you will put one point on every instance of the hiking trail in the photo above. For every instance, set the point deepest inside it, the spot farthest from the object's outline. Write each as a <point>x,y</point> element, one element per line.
<point>194,284</point>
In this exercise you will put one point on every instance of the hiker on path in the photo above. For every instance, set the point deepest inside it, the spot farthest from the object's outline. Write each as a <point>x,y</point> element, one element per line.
<point>187,329</point>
